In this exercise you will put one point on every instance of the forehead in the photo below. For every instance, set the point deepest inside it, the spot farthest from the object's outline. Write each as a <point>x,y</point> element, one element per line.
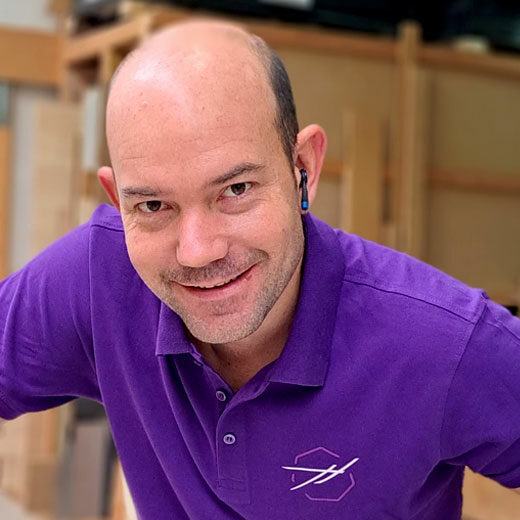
<point>201,110</point>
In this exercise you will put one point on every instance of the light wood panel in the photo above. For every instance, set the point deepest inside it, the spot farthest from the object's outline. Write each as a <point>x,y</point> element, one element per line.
<point>327,41</point>
<point>56,156</point>
<point>362,182</point>
<point>325,86</point>
<point>122,506</point>
<point>110,59</point>
<point>475,123</point>
<point>474,236</point>
<point>5,145</point>
<point>31,442</point>
<point>94,43</point>
<point>473,222</point>
<point>493,65</point>
<point>450,179</point>
<point>337,84</point>
<point>29,463</point>
<point>30,57</point>
<point>476,181</point>
<point>409,147</point>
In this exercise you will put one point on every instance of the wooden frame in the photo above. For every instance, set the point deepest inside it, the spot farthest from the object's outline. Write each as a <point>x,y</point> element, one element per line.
<point>362,177</point>
<point>496,65</point>
<point>409,162</point>
<point>32,57</point>
<point>489,182</point>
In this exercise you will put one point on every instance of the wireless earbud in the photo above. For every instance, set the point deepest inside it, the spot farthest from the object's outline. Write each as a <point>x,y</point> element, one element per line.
<point>303,186</point>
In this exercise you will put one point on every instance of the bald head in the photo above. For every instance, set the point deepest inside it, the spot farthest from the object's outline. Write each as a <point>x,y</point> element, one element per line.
<point>201,64</point>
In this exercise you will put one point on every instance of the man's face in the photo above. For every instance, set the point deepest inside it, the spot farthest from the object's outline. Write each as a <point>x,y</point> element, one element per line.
<point>210,210</point>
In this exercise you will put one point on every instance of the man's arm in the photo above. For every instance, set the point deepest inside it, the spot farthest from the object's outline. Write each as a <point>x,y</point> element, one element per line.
<point>481,425</point>
<point>46,353</point>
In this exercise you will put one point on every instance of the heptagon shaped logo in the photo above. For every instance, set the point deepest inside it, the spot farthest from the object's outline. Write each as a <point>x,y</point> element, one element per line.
<point>316,472</point>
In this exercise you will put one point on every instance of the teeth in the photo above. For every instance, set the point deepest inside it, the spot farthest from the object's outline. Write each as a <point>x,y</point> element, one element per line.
<point>218,285</point>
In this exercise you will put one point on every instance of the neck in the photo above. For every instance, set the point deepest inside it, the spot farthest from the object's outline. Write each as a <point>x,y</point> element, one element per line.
<point>239,361</point>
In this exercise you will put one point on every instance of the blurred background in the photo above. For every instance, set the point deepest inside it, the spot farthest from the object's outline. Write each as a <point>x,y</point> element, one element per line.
<point>421,103</point>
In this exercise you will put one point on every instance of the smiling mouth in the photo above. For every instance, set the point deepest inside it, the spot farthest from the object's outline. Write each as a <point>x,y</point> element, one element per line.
<point>218,285</point>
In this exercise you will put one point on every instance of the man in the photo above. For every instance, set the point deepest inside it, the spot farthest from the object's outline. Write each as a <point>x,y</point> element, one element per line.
<point>253,362</point>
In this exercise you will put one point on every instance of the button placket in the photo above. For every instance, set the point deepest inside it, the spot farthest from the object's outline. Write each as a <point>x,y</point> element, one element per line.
<point>233,480</point>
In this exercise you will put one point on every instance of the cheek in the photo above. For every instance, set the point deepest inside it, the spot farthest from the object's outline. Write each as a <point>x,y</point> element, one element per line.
<point>147,252</point>
<point>270,226</point>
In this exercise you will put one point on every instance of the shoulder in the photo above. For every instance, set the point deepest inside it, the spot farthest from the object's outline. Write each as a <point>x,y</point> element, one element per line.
<point>399,278</point>
<point>402,309</point>
<point>102,235</point>
<point>107,237</point>
<point>106,217</point>
<point>68,260</point>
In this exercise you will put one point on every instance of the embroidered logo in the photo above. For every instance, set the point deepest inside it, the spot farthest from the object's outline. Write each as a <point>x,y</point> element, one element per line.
<point>317,467</point>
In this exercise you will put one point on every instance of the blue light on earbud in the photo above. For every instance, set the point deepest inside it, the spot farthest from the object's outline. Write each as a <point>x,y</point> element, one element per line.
<point>303,186</point>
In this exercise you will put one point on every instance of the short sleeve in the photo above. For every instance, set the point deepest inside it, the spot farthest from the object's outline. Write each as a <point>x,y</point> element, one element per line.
<point>46,349</point>
<point>481,426</point>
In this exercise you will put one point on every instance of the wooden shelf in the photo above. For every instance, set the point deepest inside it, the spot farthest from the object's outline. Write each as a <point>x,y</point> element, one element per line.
<point>494,64</point>
<point>314,39</point>
<point>308,38</point>
<point>34,57</point>
<point>451,179</point>
<point>476,181</point>
<point>303,37</point>
<point>92,45</point>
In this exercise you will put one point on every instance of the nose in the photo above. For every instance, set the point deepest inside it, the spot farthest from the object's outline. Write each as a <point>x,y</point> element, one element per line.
<point>200,240</point>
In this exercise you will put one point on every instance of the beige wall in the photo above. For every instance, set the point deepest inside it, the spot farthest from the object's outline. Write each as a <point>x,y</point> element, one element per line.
<point>325,87</point>
<point>475,128</point>
<point>476,123</point>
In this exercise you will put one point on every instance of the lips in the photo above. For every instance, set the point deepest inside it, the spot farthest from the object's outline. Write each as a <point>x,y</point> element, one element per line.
<point>216,285</point>
<point>219,288</point>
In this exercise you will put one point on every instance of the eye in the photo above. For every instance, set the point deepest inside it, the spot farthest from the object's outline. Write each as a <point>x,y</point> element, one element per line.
<point>235,190</point>
<point>151,206</point>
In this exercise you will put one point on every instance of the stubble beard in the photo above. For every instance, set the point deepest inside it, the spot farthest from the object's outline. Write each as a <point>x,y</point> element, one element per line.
<point>228,322</point>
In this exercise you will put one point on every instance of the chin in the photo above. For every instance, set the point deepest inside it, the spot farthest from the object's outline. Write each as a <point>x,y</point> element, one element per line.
<point>221,330</point>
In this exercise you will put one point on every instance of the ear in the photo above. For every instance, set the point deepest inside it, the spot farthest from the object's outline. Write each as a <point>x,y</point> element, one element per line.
<point>108,181</point>
<point>311,145</point>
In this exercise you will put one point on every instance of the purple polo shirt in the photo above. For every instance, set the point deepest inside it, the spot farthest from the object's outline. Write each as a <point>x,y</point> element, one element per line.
<point>394,377</point>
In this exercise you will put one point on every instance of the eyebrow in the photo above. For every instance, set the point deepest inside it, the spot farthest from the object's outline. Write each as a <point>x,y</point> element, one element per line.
<point>239,169</point>
<point>133,191</point>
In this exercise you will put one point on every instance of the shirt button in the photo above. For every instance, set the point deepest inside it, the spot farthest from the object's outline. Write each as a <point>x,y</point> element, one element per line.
<point>221,395</point>
<point>229,439</point>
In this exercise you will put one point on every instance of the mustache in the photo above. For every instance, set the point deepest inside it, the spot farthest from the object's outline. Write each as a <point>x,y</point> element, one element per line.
<point>220,269</point>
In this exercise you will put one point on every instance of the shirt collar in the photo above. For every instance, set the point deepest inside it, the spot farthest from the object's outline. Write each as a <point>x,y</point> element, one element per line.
<point>305,357</point>
<point>171,337</point>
